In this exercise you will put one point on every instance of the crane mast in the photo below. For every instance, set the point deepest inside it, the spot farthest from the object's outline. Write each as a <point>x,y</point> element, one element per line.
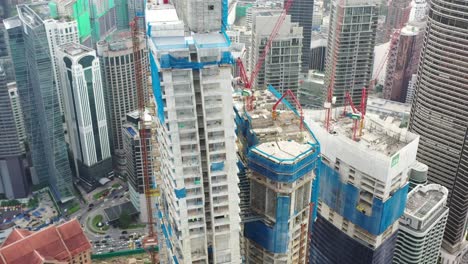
<point>151,240</point>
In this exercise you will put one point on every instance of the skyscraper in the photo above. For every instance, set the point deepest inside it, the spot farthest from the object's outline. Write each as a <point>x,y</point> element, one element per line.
<point>301,12</point>
<point>17,114</point>
<point>422,225</point>
<point>102,15</point>
<point>191,81</point>
<point>39,99</point>
<point>282,65</point>
<point>85,112</point>
<point>350,50</point>
<point>59,32</point>
<point>118,75</point>
<point>134,159</point>
<point>363,188</point>
<point>398,14</point>
<point>281,160</point>
<point>13,183</point>
<point>403,62</point>
<point>440,110</point>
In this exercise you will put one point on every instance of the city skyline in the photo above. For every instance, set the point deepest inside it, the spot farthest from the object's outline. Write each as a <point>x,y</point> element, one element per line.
<point>235,131</point>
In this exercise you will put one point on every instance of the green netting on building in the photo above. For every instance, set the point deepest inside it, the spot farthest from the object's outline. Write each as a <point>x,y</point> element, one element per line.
<point>81,14</point>
<point>122,14</point>
<point>241,11</point>
<point>53,10</point>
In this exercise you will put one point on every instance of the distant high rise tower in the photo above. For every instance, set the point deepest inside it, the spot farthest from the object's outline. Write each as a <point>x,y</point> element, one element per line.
<point>301,12</point>
<point>13,183</point>
<point>85,112</point>
<point>200,16</point>
<point>102,18</point>
<point>59,32</point>
<point>398,15</point>
<point>440,109</point>
<point>191,81</point>
<point>418,10</point>
<point>39,100</point>
<point>282,65</point>
<point>350,50</point>
<point>118,75</point>
<point>79,10</point>
<point>403,62</point>
<point>133,159</point>
<point>422,225</point>
<point>18,114</point>
<point>363,189</point>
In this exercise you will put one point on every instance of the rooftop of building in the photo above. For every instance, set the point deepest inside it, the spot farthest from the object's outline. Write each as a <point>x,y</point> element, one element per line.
<point>54,243</point>
<point>382,134</point>
<point>286,127</point>
<point>118,41</point>
<point>37,13</point>
<point>424,200</point>
<point>75,49</point>
<point>168,34</point>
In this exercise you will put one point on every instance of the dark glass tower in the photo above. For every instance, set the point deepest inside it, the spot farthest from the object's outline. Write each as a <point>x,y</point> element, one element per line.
<point>440,110</point>
<point>39,100</point>
<point>301,12</point>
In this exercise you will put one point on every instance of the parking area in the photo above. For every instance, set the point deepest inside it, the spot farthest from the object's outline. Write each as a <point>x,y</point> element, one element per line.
<point>126,240</point>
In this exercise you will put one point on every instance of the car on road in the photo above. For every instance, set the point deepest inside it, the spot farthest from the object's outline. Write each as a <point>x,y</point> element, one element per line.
<point>108,236</point>
<point>124,232</point>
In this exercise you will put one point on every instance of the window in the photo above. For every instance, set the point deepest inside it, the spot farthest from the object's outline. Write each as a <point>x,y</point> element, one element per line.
<point>210,7</point>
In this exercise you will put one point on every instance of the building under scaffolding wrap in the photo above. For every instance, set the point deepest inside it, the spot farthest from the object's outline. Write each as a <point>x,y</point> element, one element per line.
<point>363,188</point>
<point>191,79</point>
<point>281,162</point>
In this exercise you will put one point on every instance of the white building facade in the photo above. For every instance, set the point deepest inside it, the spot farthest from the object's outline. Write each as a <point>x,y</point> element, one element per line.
<point>85,112</point>
<point>422,225</point>
<point>60,32</point>
<point>191,81</point>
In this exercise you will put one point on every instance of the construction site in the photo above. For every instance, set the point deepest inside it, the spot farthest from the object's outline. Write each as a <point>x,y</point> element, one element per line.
<point>363,184</point>
<point>280,156</point>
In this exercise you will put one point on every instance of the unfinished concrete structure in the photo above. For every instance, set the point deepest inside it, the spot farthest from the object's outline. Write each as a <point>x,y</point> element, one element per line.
<point>282,65</point>
<point>422,225</point>
<point>280,160</point>
<point>363,187</point>
<point>191,81</point>
<point>350,50</point>
<point>403,62</point>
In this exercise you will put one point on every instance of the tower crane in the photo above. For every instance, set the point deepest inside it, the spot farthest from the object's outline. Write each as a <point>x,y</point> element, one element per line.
<point>149,242</point>
<point>249,81</point>
<point>298,106</point>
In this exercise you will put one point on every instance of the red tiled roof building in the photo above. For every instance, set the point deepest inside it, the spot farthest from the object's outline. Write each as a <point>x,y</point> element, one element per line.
<point>65,243</point>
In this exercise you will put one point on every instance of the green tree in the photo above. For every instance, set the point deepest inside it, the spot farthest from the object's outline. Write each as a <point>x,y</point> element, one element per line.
<point>124,220</point>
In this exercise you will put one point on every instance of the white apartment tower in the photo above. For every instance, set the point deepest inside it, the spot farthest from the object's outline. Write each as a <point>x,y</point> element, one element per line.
<point>85,112</point>
<point>60,32</point>
<point>191,81</point>
<point>422,225</point>
<point>282,65</point>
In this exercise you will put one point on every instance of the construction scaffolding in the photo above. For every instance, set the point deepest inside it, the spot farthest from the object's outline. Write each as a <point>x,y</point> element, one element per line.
<point>282,162</point>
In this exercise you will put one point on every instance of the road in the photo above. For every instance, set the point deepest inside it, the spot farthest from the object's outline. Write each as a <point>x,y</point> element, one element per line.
<point>113,238</point>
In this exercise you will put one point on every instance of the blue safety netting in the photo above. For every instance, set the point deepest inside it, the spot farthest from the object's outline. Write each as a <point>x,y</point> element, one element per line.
<point>273,238</point>
<point>157,88</point>
<point>225,13</point>
<point>343,198</point>
<point>180,193</point>
<point>170,62</point>
<point>217,166</point>
<point>275,169</point>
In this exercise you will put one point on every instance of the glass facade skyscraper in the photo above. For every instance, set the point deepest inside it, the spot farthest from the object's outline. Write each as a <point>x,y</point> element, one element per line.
<point>39,99</point>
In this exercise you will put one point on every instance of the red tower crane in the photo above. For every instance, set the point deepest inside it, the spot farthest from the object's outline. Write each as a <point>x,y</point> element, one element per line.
<point>298,106</point>
<point>151,240</point>
<point>249,81</point>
